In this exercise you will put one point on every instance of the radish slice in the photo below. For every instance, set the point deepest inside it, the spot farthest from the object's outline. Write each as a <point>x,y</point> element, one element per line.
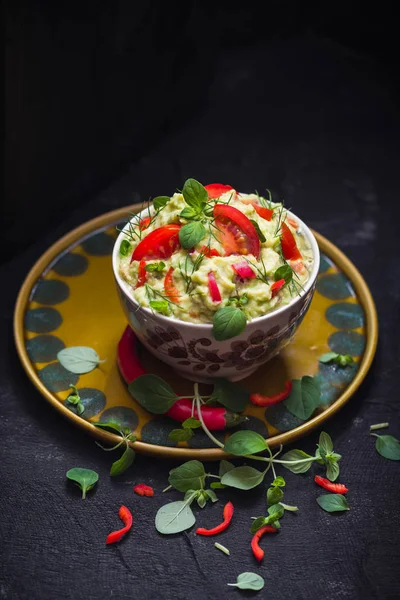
<point>244,270</point>
<point>213,287</point>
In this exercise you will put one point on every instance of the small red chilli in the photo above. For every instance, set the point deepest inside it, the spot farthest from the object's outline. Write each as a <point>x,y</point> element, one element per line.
<point>260,400</point>
<point>257,551</point>
<point>143,490</point>
<point>227,514</point>
<point>126,517</point>
<point>336,488</point>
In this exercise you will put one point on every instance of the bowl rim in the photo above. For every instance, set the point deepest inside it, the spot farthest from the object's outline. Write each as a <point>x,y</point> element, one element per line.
<point>125,288</point>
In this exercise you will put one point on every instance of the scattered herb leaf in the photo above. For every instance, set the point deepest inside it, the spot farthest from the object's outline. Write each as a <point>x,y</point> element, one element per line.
<point>243,478</point>
<point>304,397</point>
<point>296,461</point>
<point>85,479</point>
<point>125,248</point>
<point>160,201</point>
<point>387,446</point>
<point>191,234</point>
<point>174,517</point>
<point>123,463</point>
<point>230,395</point>
<point>180,435</point>
<point>340,359</point>
<point>333,502</point>
<point>79,359</point>
<point>155,267</point>
<point>153,393</point>
<point>244,442</point>
<point>189,476</point>
<point>228,322</point>
<point>249,581</point>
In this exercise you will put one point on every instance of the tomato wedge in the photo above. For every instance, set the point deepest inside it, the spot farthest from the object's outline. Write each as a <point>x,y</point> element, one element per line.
<point>169,287</point>
<point>215,190</point>
<point>209,252</point>
<point>236,232</point>
<point>265,213</point>
<point>160,243</point>
<point>289,247</point>
<point>213,287</point>
<point>142,274</point>
<point>276,286</point>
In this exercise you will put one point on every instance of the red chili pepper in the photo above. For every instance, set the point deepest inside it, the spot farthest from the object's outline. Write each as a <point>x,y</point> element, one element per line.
<point>257,551</point>
<point>209,252</point>
<point>143,490</point>
<point>213,287</point>
<point>216,418</point>
<point>126,517</point>
<point>142,274</point>
<point>169,287</point>
<point>144,223</point>
<point>244,270</point>
<point>336,488</point>
<point>260,400</point>
<point>276,286</point>
<point>215,190</point>
<point>227,514</point>
<point>289,247</point>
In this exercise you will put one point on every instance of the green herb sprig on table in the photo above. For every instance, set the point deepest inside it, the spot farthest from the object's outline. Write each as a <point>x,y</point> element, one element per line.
<point>85,479</point>
<point>128,456</point>
<point>74,399</point>
<point>343,360</point>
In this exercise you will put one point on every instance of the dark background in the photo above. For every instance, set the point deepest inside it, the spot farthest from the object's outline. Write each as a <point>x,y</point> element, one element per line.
<point>111,103</point>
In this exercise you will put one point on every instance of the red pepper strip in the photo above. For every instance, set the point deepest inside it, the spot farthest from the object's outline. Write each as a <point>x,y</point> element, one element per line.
<point>336,488</point>
<point>143,490</point>
<point>292,223</point>
<point>215,190</point>
<point>126,517</point>
<point>262,211</point>
<point>142,274</point>
<point>213,287</point>
<point>209,252</point>
<point>216,418</point>
<point>169,287</point>
<point>260,400</point>
<point>144,223</point>
<point>289,247</point>
<point>227,514</point>
<point>257,551</point>
<point>276,286</point>
<point>244,270</point>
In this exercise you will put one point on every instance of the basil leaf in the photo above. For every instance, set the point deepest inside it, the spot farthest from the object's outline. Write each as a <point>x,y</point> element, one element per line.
<point>249,581</point>
<point>294,456</point>
<point>212,495</point>
<point>190,475</point>
<point>243,478</point>
<point>276,511</point>
<point>279,482</point>
<point>161,306</point>
<point>244,442</point>
<point>325,442</point>
<point>190,493</point>
<point>191,234</point>
<point>274,495</point>
<point>174,518</point>
<point>125,248</point>
<point>160,201</point>
<point>388,446</point>
<point>180,435</point>
<point>86,479</point>
<point>153,393</point>
<point>284,272</point>
<point>202,499</point>
<point>123,463</point>
<point>224,467</point>
<point>195,194</point>
<point>230,395</point>
<point>189,213</point>
<point>257,524</point>
<point>333,502</point>
<point>304,397</point>
<point>260,234</point>
<point>115,427</point>
<point>332,470</point>
<point>289,507</point>
<point>78,359</point>
<point>216,485</point>
<point>191,423</point>
<point>228,322</point>
<point>155,267</point>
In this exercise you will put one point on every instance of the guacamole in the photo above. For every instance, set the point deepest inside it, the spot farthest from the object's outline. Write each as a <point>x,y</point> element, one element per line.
<point>211,247</point>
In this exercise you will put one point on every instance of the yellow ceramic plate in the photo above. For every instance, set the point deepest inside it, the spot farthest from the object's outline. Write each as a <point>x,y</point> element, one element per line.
<point>69,299</point>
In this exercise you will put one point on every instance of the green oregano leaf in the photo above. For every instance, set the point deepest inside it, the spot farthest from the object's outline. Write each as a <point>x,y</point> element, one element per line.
<point>180,435</point>
<point>195,194</point>
<point>245,442</point>
<point>257,524</point>
<point>174,517</point>
<point>75,400</point>
<point>243,478</point>
<point>79,359</point>
<point>230,395</point>
<point>123,463</point>
<point>387,446</point>
<point>260,234</point>
<point>340,359</point>
<point>189,476</point>
<point>249,581</point>
<point>191,423</point>
<point>279,482</point>
<point>325,442</point>
<point>332,470</point>
<point>125,248</point>
<point>161,306</point>
<point>111,425</point>
<point>274,495</point>
<point>211,495</point>
<point>296,461</point>
<point>228,322</point>
<point>85,479</point>
<point>275,512</point>
<point>155,267</point>
<point>153,393</point>
<point>191,234</point>
<point>189,213</point>
<point>217,485</point>
<point>160,201</point>
<point>333,502</point>
<point>304,397</point>
<point>224,467</point>
<point>284,272</point>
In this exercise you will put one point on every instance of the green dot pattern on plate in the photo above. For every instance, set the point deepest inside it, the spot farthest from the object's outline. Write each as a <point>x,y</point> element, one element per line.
<point>44,348</point>
<point>123,415</point>
<point>325,264</point>
<point>201,440</point>
<point>156,432</point>
<point>345,315</point>
<point>56,378</point>
<point>50,291</point>
<point>255,424</point>
<point>42,320</point>
<point>71,264</point>
<point>100,244</point>
<point>334,286</point>
<point>279,416</point>
<point>347,342</point>
<point>93,400</point>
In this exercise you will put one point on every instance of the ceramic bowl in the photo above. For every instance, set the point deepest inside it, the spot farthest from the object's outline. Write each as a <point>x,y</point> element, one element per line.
<point>191,349</point>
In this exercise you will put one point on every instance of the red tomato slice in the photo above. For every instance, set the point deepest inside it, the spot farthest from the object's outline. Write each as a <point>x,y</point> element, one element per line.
<point>215,190</point>
<point>213,287</point>
<point>265,213</point>
<point>276,286</point>
<point>209,252</point>
<point>142,274</point>
<point>169,287</point>
<point>289,247</point>
<point>236,232</point>
<point>160,243</point>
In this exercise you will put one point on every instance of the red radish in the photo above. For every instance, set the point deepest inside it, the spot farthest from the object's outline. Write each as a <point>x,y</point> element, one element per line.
<point>244,270</point>
<point>213,287</point>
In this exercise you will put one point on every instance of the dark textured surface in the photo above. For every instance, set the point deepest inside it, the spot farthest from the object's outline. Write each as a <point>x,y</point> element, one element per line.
<point>319,127</point>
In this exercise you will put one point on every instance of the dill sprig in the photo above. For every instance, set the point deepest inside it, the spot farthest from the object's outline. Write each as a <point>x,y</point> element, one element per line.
<point>192,266</point>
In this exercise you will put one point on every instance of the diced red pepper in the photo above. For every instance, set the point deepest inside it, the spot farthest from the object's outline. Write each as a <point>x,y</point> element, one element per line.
<point>257,551</point>
<point>262,211</point>
<point>260,400</point>
<point>143,490</point>
<point>276,286</point>
<point>289,247</point>
<point>336,488</point>
<point>126,517</point>
<point>215,190</point>
<point>169,287</point>
<point>244,270</point>
<point>142,274</point>
<point>213,287</point>
<point>209,252</point>
<point>144,223</point>
<point>292,223</point>
<point>227,514</point>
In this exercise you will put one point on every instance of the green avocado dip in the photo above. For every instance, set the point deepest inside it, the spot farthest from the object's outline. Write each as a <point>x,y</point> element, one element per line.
<point>214,255</point>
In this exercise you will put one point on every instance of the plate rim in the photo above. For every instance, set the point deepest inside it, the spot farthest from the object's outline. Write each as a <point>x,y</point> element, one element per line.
<point>69,239</point>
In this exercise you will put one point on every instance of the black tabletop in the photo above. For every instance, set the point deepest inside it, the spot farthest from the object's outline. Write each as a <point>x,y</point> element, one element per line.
<point>319,127</point>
